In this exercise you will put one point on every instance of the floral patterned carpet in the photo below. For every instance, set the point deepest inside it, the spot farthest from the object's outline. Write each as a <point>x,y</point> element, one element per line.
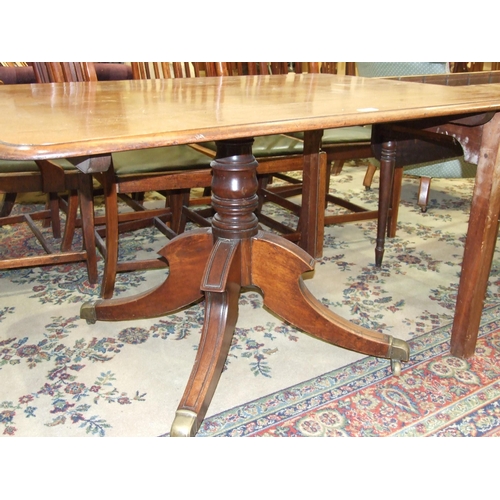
<point>60,376</point>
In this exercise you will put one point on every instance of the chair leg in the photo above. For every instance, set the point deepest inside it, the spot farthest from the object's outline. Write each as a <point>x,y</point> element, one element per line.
<point>370,172</point>
<point>8,204</point>
<point>178,199</point>
<point>423,193</point>
<point>111,258</point>
<point>264,181</point>
<point>337,167</point>
<point>395,200</point>
<point>55,219</point>
<point>71,216</point>
<point>87,215</point>
<point>139,197</point>
<point>331,170</point>
<point>387,172</point>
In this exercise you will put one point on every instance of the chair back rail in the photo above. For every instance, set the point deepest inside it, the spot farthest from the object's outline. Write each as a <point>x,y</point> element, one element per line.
<point>60,72</point>
<point>156,70</point>
<point>257,68</point>
<point>160,70</point>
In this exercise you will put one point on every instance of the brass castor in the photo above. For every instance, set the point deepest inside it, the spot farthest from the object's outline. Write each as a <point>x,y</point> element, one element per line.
<point>396,367</point>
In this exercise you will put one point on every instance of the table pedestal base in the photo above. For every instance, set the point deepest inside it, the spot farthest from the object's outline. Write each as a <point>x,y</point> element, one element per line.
<point>231,255</point>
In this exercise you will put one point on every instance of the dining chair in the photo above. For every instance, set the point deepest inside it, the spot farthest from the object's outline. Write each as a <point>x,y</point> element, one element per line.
<point>276,153</point>
<point>452,168</point>
<point>339,145</point>
<point>173,170</point>
<point>53,179</point>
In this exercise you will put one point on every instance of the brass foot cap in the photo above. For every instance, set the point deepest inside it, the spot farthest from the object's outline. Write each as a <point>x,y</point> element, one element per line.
<point>399,350</point>
<point>184,424</point>
<point>87,311</point>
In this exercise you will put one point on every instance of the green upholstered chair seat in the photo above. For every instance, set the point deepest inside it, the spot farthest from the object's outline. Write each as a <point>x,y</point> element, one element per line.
<point>381,69</point>
<point>130,162</point>
<point>342,135</point>
<point>269,145</point>
<point>292,144</point>
<point>19,166</point>
<point>451,169</point>
<point>157,160</point>
<point>454,168</point>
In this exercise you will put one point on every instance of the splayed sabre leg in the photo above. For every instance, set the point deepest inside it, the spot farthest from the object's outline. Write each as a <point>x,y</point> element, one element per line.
<point>244,256</point>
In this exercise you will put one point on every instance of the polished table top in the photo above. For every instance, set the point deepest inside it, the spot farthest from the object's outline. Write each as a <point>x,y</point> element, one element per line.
<point>75,119</point>
<point>85,119</point>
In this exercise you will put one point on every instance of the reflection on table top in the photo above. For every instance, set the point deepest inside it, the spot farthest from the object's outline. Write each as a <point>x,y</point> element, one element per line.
<point>75,119</point>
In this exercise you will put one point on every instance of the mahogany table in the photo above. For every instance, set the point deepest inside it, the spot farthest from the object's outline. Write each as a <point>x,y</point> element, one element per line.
<point>86,122</point>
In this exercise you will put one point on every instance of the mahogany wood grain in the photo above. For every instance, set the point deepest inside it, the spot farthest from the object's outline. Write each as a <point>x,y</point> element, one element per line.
<point>241,257</point>
<point>188,251</point>
<point>480,243</point>
<point>175,184</point>
<point>272,163</point>
<point>231,111</point>
<point>453,79</point>
<point>110,115</point>
<point>336,155</point>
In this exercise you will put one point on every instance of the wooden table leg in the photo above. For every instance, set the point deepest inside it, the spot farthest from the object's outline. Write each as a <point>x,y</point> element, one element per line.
<point>221,284</point>
<point>234,198</point>
<point>480,243</point>
<point>302,309</point>
<point>217,262</point>
<point>244,256</point>
<point>186,255</point>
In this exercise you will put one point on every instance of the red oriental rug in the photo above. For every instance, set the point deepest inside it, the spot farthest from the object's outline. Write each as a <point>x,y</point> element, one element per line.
<point>436,395</point>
